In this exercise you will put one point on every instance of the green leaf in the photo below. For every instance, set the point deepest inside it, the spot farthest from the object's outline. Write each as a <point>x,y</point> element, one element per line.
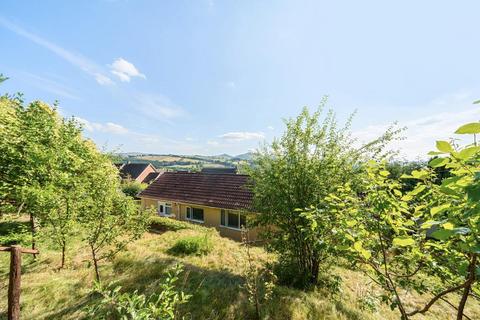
<point>430,223</point>
<point>419,174</point>
<point>473,192</point>
<point>442,234</point>
<point>476,102</point>
<point>384,173</point>
<point>438,162</point>
<point>351,223</point>
<point>444,146</point>
<point>359,248</point>
<point>417,190</point>
<point>403,241</point>
<point>448,226</point>
<point>438,209</point>
<point>469,128</point>
<point>467,153</point>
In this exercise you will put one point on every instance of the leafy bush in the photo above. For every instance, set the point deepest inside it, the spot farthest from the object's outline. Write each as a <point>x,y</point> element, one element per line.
<point>14,232</point>
<point>198,245</point>
<point>162,224</point>
<point>163,305</point>
<point>132,188</point>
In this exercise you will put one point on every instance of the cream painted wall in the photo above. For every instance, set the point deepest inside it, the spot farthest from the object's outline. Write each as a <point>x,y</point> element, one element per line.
<point>211,217</point>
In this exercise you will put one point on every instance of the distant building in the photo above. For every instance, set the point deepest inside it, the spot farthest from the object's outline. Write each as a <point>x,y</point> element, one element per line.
<point>141,172</point>
<point>213,170</point>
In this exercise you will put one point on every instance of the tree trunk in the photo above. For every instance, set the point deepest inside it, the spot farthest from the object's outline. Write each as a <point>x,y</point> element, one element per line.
<point>64,245</point>
<point>95,264</point>
<point>33,229</point>
<point>468,286</point>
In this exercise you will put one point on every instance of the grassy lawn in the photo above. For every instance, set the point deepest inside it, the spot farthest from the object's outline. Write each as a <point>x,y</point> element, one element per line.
<point>214,279</point>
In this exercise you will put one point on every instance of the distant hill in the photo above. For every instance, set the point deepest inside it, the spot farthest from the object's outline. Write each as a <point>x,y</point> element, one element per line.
<point>245,156</point>
<point>186,162</point>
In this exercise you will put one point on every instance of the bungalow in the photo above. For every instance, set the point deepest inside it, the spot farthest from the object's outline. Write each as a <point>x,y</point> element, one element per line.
<point>214,200</point>
<point>141,172</point>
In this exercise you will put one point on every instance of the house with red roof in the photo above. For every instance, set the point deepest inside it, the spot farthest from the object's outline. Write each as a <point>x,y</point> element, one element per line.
<point>141,172</point>
<point>222,201</point>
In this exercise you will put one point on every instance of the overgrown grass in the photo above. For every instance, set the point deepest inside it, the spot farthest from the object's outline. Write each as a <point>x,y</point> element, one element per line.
<point>214,279</point>
<point>161,224</point>
<point>198,245</point>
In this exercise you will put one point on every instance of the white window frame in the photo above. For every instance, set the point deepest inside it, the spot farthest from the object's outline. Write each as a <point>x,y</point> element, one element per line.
<point>165,205</point>
<point>226,212</point>
<point>191,210</point>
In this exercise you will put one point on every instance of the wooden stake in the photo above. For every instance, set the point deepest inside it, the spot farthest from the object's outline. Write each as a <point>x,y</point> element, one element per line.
<point>15,279</point>
<point>14,284</point>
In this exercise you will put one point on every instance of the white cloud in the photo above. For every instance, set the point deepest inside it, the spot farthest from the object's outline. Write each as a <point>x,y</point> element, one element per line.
<point>158,107</point>
<point>108,127</point>
<point>421,133</point>
<point>125,70</point>
<point>270,128</point>
<point>242,136</point>
<point>75,59</point>
<point>103,79</point>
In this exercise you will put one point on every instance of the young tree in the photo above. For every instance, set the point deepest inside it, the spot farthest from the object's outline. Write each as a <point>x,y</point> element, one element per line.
<point>431,231</point>
<point>311,160</point>
<point>110,220</point>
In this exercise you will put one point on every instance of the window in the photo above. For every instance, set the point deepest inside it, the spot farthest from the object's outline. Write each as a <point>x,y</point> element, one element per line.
<point>164,209</point>
<point>195,214</point>
<point>232,219</point>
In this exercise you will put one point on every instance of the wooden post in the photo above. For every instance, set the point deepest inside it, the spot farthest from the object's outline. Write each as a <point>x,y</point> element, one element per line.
<point>15,279</point>
<point>14,283</point>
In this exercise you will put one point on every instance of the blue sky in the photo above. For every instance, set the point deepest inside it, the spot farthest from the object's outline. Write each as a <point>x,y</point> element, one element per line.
<point>209,76</point>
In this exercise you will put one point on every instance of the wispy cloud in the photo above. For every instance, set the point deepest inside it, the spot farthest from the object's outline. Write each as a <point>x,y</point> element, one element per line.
<point>48,85</point>
<point>73,58</point>
<point>108,127</point>
<point>270,128</point>
<point>125,70</point>
<point>242,136</point>
<point>421,133</point>
<point>158,107</point>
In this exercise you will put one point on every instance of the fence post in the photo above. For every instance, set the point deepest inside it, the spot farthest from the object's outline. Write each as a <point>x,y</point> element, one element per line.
<point>14,283</point>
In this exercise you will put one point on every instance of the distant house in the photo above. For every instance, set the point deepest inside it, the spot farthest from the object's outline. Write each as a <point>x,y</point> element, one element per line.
<point>222,201</point>
<point>141,172</point>
<point>214,170</point>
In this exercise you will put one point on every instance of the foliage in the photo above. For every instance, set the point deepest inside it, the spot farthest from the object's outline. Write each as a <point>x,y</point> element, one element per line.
<point>132,188</point>
<point>13,232</point>
<point>194,245</point>
<point>259,281</point>
<point>162,224</point>
<point>291,178</point>
<point>156,306</point>
<point>425,239</point>
<point>109,219</point>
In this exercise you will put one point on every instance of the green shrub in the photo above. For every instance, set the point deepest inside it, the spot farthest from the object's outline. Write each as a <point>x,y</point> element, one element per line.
<point>132,188</point>
<point>132,305</point>
<point>14,232</point>
<point>162,224</point>
<point>194,245</point>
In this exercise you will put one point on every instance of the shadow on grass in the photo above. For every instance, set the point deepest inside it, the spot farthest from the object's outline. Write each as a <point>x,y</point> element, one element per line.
<point>216,294</point>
